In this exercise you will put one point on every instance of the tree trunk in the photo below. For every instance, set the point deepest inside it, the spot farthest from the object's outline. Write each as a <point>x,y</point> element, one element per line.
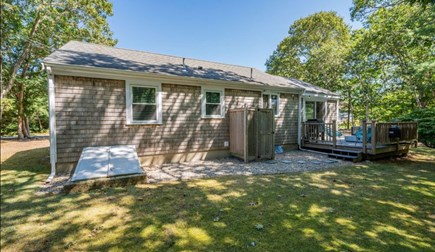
<point>23,130</point>
<point>20,119</point>
<point>22,57</point>
<point>367,111</point>
<point>27,127</point>
<point>349,108</point>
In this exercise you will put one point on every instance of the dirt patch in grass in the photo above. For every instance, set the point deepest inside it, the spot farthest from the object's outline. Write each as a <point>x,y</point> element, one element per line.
<point>14,147</point>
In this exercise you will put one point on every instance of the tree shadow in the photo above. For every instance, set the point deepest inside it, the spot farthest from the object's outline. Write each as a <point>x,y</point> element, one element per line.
<point>375,207</point>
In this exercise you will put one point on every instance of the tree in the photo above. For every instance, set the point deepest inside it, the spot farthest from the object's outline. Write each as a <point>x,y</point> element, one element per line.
<point>363,8</point>
<point>314,51</point>
<point>393,60</point>
<point>33,29</point>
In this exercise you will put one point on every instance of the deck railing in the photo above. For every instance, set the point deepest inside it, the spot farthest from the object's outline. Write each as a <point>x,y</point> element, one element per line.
<point>384,134</point>
<point>316,132</point>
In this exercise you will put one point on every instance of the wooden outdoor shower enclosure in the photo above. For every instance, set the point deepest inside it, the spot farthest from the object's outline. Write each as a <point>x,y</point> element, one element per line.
<point>252,134</point>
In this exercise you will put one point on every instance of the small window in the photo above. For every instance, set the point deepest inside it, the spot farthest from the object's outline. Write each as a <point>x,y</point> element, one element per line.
<point>143,104</point>
<point>213,103</point>
<point>271,101</point>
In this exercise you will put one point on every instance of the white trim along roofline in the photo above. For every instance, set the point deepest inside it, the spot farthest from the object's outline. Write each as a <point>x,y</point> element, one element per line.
<point>108,73</point>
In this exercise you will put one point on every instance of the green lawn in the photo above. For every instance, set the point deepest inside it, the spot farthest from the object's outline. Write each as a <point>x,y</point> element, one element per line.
<point>381,206</point>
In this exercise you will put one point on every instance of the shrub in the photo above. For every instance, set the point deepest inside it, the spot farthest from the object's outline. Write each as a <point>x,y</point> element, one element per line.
<point>426,124</point>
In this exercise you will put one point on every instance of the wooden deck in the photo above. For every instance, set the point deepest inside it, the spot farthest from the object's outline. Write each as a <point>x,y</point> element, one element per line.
<point>378,143</point>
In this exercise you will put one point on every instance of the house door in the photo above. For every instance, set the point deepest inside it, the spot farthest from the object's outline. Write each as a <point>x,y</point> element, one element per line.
<point>265,122</point>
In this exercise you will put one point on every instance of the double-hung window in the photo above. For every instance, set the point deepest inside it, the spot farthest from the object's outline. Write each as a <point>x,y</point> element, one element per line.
<point>271,100</point>
<point>143,103</point>
<point>213,105</point>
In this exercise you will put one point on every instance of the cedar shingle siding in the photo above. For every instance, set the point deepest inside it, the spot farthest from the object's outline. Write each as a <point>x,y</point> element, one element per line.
<point>332,111</point>
<point>92,112</point>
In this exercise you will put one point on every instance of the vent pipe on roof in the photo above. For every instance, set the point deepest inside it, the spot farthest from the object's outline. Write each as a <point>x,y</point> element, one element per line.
<point>251,72</point>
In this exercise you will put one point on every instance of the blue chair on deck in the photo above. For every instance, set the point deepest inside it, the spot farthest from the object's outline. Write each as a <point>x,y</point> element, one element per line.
<point>359,135</point>
<point>331,133</point>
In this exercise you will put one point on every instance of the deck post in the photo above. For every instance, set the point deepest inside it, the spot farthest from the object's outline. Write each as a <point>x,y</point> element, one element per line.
<point>334,134</point>
<point>304,132</point>
<point>373,139</point>
<point>364,140</point>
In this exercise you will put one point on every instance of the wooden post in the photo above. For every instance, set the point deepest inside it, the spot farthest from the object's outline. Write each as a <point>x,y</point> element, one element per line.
<point>304,132</point>
<point>245,137</point>
<point>334,133</point>
<point>373,140</point>
<point>364,140</point>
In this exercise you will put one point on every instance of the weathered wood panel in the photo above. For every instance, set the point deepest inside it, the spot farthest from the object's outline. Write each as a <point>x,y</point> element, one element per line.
<point>286,124</point>
<point>237,132</point>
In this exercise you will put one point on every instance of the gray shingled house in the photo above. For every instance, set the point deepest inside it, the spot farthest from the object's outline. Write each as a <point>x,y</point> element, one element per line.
<point>171,108</point>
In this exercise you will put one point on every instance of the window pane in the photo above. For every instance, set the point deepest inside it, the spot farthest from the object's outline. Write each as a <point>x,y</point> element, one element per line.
<point>309,110</point>
<point>142,112</point>
<point>212,109</point>
<point>274,99</point>
<point>265,101</point>
<point>213,97</point>
<point>144,95</point>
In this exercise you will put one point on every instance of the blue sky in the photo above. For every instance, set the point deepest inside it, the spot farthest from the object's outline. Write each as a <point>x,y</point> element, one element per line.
<point>241,32</point>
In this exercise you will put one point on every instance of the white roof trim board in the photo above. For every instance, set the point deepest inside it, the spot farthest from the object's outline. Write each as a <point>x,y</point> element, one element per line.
<point>81,54</point>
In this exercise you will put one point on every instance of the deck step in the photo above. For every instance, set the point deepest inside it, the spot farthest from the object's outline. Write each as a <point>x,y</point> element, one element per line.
<point>347,151</point>
<point>354,158</point>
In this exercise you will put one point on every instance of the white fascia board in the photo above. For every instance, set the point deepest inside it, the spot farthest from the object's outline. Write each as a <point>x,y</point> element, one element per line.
<point>108,73</point>
<point>319,97</point>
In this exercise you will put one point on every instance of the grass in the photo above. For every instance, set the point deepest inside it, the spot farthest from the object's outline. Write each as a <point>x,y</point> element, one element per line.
<point>381,206</point>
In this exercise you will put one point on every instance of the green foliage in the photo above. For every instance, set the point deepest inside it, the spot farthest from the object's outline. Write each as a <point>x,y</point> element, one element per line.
<point>363,8</point>
<point>391,60</point>
<point>426,124</point>
<point>314,50</point>
<point>33,29</point>
<point>382,71</point>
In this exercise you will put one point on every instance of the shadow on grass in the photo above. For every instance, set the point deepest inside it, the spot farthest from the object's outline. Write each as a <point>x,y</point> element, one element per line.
<point>375,206</point>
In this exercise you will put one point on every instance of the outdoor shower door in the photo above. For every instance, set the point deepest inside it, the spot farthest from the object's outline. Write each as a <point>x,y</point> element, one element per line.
<point>265,123</point>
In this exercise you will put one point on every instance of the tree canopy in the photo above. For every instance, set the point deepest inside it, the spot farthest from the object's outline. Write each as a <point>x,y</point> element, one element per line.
<point>31,30</point>
<point>383,70</point>
<point>313,51</point>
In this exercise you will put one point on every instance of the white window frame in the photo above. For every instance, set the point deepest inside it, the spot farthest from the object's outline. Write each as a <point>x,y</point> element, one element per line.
<point>129,84</point>
<point>278,110</point>
<point>204,90</point>
<point>315,100</point>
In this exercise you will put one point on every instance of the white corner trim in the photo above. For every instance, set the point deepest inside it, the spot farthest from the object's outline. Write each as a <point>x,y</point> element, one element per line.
<point>299,119</point>
<point>129,83</point>
<point>203,101</point>
<point>52,123</point>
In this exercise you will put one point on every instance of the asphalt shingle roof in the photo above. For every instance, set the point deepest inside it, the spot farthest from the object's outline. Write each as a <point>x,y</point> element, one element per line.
<point>76,53</point>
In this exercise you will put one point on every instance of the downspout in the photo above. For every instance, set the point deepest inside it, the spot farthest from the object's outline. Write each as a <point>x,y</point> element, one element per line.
<point>52,123</point>
<point>299,120</point>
